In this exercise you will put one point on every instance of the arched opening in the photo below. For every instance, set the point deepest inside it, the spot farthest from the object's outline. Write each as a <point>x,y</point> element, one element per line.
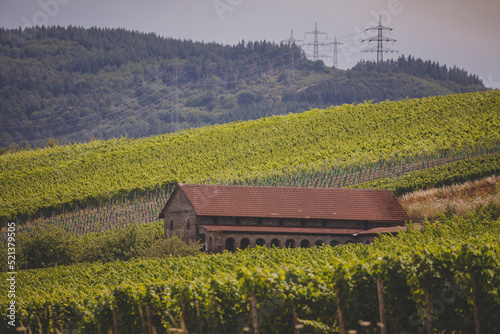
<point>171,225</point>
<point>275,243</point>
<point>334,243</point>
<point>290,243</point>
<point>319,243</point>
<point>210,244</point>
<point>260,242</point>
<point>245,243</point>
<point>304,243</point>
<point>230,244</point>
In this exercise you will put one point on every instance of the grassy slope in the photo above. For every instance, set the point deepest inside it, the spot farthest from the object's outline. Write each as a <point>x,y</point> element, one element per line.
<point>49,177</point>
<point>458,199</point>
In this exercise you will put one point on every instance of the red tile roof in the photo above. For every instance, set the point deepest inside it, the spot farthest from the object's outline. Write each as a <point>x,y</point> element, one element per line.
<point>293,202</point>
<point>279,229</point>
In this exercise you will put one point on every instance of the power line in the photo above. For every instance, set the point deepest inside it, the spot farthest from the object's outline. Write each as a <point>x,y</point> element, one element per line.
<point>380,38</point>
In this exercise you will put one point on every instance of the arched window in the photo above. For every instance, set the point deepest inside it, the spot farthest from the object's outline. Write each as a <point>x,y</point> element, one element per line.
<point>171,225</point>
<point>334,243</point>
<point>245,243</point>
<point>230,244</point>
<point>275,243</point>
<point>290,243</point>
<point>188,225</point>
<point>260,242</point>
<point>304,243</point>
<point>319,243</point>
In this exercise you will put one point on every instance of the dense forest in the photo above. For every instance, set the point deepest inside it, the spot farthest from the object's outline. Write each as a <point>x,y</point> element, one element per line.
<point>67,84</point>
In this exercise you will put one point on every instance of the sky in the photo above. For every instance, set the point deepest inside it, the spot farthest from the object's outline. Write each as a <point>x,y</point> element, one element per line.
<point>464,33</point>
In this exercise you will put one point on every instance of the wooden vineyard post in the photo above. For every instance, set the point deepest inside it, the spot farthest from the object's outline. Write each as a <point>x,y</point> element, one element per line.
<point>341,314</point>
<point>294,320</point>
<point>149,319</point>
<point>255,316</point>
<point>198,315</point>
<point>474,305</point>
<point>115,321</point>
<point>428,314</point>
<point>381,308</point>
<point>183,316</point>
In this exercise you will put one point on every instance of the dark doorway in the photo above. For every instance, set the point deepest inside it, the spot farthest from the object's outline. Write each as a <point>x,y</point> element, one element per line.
<point>275,243</point>
<point>245,243</point>
<point>230,244</point>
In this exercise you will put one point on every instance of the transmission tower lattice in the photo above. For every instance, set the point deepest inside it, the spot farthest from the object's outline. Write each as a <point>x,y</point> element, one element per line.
<point>380,38</point>
<point>290,42</point>
<point>316,43</point>
<point>335,43</point>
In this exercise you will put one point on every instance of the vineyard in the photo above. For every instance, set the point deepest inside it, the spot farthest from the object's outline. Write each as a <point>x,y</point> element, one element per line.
<point>40,182</point>
<point>402,175</point>
<point>441,277</point>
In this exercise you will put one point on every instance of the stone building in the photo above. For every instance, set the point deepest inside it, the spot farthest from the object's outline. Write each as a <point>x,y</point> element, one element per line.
<point>232,217</point>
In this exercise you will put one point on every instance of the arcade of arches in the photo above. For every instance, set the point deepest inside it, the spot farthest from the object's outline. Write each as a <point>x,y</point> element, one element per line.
<point>234,242</point>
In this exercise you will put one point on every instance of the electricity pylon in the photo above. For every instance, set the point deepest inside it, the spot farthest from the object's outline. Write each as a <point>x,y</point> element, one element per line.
<point>380,38</point>
<point>316,43</point>
<point>291,41</point>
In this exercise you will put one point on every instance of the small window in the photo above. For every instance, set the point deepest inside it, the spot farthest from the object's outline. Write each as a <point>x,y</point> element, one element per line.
<point>216,220</point>
<point>281,222</point>
<point>188,225</point>
<point>302,222</point>
<point>323,223</point>
<point>171,225</point>
<point>259,221</point>
<point>238,221</point>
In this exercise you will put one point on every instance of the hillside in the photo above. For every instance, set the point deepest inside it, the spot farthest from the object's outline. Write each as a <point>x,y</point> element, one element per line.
<point>51,177</point>
<point>74,84</point>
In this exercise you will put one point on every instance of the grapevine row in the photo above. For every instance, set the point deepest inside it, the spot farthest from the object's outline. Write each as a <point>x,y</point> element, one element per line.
<point>432,290</point>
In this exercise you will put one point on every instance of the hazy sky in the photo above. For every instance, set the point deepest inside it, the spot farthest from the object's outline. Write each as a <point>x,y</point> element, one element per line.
<point>456,32</point>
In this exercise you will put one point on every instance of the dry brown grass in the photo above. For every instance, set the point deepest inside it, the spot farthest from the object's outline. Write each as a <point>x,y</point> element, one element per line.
<point>456,199</point>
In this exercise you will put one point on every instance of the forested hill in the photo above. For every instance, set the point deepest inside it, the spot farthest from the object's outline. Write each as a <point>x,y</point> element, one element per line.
<point>72,84</point>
